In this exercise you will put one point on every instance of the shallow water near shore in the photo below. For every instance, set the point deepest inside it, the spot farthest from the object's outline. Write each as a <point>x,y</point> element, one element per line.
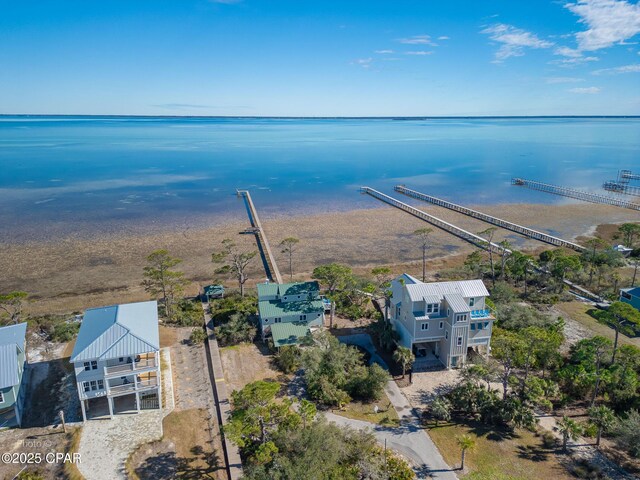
<point>83,176</point>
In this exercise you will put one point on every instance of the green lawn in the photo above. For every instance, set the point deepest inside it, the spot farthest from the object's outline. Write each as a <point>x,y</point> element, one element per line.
<point>498,455</point>
<point>365,411</point>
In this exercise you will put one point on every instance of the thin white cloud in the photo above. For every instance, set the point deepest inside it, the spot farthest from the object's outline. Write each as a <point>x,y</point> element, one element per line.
<point>384,52</point>
<point>635,68</point>
<point>585,90</point>
<point>554,80</point>
<point>573,61</point>
<point>568,52</point>
<point>608,22</point>
<point>443,37</point>
<point>513,40</point>
<point>363,62</point>
<point>418,40</point>
<point>419,53</point>
<point>226,2</point>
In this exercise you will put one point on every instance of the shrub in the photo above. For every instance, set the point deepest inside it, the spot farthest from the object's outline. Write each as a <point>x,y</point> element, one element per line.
<point>288,358</point>
<point>65,332</point>
<point>198,336</point>
<point>239,329</point>
<point>549,440</point>
<point>223,308</point>
<point>188,313</point>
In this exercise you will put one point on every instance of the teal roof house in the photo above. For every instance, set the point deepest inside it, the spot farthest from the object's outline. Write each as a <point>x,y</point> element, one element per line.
<point>631,296</point>
<point>117,360</point>
<point>12,379</point>
<point>289,311</point>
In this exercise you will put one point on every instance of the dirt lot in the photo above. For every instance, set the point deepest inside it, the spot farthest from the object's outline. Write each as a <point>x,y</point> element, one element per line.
<point>191,446</point>
<point>246,363</point>
<point>186,451</point>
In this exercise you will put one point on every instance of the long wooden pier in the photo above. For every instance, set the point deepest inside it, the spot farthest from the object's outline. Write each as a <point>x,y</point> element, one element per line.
<point>446,226</point>
<point>571,193</point>
<point>514,227</point>
<point>268,260</point>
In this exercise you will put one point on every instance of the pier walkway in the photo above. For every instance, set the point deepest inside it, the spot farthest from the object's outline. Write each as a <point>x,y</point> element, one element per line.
<point>514,227</point>
<point>571,193</point>
<point>268,260</point>
<point>446,226</point>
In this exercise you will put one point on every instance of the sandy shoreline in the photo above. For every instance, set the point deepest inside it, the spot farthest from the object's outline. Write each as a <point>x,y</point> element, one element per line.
<point>73,274</point>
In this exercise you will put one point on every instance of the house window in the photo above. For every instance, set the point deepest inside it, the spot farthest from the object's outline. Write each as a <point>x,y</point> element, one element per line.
<point>303,317</point>
<point>459,341</point>
<point>486,324</point>
<point>85,386</point>
<point>424,326</point>
<point>87,366</point>
<point>446,335</point>
<point>472,302</point>
<point>1,398</point>
<point>461,318</point>
<point>441,325</point>
<point>100,384</point>
<point>398,311</point>
<point>121,359</point>
<point>473,326</point>
<point>94,385</point>
<point>277,320</point>
<point>433,308</point>
<point>448,312</point>
<point>94,364</point>
<point>626,295</point>
<point>479,326</point>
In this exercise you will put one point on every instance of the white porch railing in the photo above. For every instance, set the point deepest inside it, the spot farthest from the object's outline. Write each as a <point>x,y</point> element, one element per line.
<point>130,367</point>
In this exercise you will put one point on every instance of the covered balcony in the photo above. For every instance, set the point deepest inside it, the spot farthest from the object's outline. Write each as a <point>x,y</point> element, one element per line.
<point>131,384</point>
<point>140,362</point>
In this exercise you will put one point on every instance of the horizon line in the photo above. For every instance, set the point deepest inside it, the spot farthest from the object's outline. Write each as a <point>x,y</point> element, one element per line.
<point>304,117</point>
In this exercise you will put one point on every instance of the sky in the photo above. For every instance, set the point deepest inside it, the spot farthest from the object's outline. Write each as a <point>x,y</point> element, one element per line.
<point>320,58</point>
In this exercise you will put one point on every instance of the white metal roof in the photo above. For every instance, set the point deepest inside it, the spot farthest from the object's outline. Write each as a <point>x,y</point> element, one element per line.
<point>12,340</point>
<point>118,331</point>
<point>466,288</point>
<point>456,302</point>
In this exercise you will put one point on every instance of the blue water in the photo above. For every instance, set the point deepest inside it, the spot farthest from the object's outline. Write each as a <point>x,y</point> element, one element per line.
<point>74,175</point>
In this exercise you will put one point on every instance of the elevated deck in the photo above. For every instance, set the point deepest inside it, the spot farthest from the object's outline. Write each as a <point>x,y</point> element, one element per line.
<point>571,193</point>
<point>619,187</point>
<point>268,260</point>
<point>437,222</point>
<point>514,227</point>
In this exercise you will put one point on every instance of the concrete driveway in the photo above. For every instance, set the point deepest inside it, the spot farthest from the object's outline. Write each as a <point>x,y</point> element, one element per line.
<point>408,440</point>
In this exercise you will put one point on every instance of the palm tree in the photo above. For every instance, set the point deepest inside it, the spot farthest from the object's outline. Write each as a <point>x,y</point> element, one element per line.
<point>603,418</point>
<point>570,429</point>
<point>465,442</point>
<point>404,357</point>
<point>423,235</point>
<point>441,410</point>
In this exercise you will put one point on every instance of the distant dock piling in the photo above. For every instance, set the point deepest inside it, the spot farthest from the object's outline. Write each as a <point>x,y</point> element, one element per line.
<point>514,227</point>
<point>268,260</point>
<point>571,193</point>
<point>441,224</point>
<point>621,185</point>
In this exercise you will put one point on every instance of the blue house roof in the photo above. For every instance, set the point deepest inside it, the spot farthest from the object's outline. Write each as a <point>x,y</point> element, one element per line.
<point>12,339</point>
<point>635,291</point>
<point>118,331</point>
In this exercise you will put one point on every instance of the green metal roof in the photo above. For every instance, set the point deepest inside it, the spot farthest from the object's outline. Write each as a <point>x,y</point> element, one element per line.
<point>289,333</point>
<point>276,308</point>
<point>213,289</point>
<point>298,288</point>
<point>267,289</point>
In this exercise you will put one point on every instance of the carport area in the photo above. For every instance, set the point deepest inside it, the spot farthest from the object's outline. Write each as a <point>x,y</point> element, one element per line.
<point>426,358</point>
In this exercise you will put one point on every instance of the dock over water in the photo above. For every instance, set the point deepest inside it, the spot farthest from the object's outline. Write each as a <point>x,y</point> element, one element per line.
<point>268,260</point>
<point>514,227</point>
<point>572,193</point>
<point>446,226</point>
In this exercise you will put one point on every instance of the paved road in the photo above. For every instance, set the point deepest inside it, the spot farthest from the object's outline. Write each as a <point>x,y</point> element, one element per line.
<point>409,439</point>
